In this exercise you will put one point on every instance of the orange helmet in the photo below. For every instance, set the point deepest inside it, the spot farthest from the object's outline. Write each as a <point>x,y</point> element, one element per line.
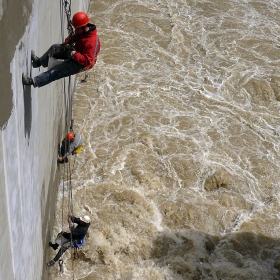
<point>70,136</point>
<point>80,19</point>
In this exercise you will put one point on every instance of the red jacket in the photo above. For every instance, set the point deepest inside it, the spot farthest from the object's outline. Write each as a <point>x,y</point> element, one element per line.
<point>87,47</point>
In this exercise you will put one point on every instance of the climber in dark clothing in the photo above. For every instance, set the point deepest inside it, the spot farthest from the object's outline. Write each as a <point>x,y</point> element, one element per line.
<point>81,57</point>
<point>64,238</point>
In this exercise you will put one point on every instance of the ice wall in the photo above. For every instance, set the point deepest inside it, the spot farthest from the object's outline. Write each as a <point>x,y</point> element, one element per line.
<point>28,142</point>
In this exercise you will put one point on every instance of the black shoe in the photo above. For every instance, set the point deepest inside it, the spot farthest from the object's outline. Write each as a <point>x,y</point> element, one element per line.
<point>65,160</point>
<point>27,81</point>
<point>51,263</point>
<point>54,246</point>
<point>36,61</point>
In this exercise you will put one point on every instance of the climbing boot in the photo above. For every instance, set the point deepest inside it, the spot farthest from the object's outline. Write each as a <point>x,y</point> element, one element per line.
<point>54,246</point>
<point>51,263</point>
<point>36,61</point>
<point>27,81</point>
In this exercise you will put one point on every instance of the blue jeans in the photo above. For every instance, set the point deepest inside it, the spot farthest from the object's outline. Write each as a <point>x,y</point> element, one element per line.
<point>65,69</point>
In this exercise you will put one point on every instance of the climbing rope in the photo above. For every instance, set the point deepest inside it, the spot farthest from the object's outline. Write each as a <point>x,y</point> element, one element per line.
<point>67,10</point>
<point>68,117</point>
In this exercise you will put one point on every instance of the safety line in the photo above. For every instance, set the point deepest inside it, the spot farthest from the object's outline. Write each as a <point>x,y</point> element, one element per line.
<point>68,115</point>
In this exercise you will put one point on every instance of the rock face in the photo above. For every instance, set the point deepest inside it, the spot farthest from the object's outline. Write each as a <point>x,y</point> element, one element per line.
<point>219,179</point>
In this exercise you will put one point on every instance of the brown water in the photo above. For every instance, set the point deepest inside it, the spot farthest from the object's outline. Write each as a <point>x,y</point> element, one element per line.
<point>180,170</point>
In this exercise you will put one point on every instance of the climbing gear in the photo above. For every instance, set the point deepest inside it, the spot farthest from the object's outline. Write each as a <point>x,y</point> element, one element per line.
<point>90,66</point>
<point>61,267</point>
<point>54,246</point>
<point>36,62</point>
<point>68,116</point>
<point>71,125</point>
<point>85,219</point>
<point>81,243</point>
<point>80,19</point>
<point>51,263</point>
<point>86,77</point>
<point>67,9</point>
<point>76,245</point>
<point>70,136</point>
<point>78,150</point>
<point>27,81</point>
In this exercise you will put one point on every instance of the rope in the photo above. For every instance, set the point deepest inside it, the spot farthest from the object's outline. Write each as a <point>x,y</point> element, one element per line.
<point>68,116</point>
<point>67,9</point>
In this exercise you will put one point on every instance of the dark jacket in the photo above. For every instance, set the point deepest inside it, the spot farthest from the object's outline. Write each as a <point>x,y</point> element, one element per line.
<point>81,230</point>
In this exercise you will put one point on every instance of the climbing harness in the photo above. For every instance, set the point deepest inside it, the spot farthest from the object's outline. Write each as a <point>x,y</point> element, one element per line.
<point>76,247</point>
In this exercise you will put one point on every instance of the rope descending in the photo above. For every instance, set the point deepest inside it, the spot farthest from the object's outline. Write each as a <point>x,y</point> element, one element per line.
<point>67,9</point>
<point>68,116</point>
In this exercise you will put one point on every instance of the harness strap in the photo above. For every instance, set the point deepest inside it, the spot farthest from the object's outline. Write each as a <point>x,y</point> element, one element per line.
<point>94,57</point>
<point>96,47</point>
<point>75,253</point>
<point>78,144</point>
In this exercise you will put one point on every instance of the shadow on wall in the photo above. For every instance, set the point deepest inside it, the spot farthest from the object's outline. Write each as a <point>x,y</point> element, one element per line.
<point>19,11</point>
<point>27,99</point>
<point>196,256</point>
<point>48,196</point>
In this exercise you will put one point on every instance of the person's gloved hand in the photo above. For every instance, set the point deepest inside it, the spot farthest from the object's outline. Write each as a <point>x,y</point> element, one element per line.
<point>62,52</point>
<point>54,50</point>
<point>70,54</point>
<point>68,48</point>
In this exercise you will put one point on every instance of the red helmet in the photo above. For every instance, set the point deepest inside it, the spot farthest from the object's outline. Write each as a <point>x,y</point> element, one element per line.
<point>80,19</point>
<point>70,136</point>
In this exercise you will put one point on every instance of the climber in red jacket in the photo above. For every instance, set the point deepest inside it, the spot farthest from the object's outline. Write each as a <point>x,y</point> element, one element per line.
<point>81,57</point>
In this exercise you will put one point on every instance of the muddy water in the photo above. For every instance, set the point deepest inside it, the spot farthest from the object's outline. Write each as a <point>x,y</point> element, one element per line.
<point>180,171</point>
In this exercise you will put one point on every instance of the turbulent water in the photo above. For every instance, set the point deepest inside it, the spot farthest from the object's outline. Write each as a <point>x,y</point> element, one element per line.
<point>181,164</point>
